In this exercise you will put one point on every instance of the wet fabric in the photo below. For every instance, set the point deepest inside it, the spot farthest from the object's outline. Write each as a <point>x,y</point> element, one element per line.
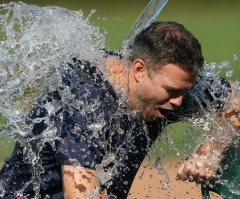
<point>92,127</point>
<point>96,127</point>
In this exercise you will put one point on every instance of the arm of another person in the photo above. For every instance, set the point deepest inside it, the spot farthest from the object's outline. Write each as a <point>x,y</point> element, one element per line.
<point>202,165</point>
<point>80,182</point>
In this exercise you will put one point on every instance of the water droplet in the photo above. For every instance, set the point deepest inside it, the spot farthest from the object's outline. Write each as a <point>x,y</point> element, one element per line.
<point>229,73</point>
<point>75,162</point>
<point>108,158</point>
<point>235,57</point>
<point>102,175</point>
<point>225,64</point>
<point>157,163</point>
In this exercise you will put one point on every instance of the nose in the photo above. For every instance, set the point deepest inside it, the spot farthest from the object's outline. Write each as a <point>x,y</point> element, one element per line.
<point>176,101</point>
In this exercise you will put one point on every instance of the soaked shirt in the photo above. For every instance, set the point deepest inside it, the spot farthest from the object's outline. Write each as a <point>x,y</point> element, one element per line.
<point>83,122</point>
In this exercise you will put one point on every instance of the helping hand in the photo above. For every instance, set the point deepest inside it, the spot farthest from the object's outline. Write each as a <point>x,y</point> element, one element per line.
<point>201,166</point>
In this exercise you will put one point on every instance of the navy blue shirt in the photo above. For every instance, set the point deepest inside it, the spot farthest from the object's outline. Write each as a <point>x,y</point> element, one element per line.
<point>84,122</point>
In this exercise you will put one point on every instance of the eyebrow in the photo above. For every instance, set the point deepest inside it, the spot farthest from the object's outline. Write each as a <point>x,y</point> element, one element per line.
<point>177,88</point>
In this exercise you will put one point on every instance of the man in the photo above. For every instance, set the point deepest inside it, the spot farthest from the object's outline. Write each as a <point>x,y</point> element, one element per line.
<point>105,123</point>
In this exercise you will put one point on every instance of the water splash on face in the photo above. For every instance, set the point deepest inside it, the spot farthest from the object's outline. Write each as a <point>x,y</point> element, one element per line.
<point>36,45</point>
<point>221,127</point>
<point>220,124</point>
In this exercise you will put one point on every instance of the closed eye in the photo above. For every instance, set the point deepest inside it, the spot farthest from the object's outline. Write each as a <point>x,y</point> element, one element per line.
<point>177,91</point>
<point>174,92</point>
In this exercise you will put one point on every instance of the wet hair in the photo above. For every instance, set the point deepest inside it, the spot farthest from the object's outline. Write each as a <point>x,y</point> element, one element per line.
<point>163,43</point>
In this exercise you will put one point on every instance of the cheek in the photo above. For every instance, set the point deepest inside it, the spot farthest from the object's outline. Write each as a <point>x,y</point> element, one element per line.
<point>153,112</point>
<point>153,95</point>
<point>161,96</point>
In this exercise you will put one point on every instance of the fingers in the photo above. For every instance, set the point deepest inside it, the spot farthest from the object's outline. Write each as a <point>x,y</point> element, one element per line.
<point>196,176</point>
<point>194,171</point>
<point>187,171</point>
<point>203,176</point>
<point>181,175</point>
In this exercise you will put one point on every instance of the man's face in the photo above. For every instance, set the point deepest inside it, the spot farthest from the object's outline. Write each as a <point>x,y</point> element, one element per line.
<point>163,92</point>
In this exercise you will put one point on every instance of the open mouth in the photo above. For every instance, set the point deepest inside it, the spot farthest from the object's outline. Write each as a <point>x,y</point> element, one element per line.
<point>163,112</point>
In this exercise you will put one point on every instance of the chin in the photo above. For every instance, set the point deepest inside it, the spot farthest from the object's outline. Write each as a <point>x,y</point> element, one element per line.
<point>150,118</point>
<point>146,118</point>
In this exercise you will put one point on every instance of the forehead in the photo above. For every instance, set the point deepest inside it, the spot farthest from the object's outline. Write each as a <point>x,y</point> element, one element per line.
<point>172,74</point>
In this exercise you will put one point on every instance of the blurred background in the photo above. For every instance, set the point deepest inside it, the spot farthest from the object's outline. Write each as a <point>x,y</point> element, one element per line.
<point>216,24</point>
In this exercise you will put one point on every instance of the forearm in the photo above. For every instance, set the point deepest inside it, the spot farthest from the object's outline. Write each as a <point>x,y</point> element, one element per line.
<point>222,128</point>
<point>80,182</point>
<point>202,165</point>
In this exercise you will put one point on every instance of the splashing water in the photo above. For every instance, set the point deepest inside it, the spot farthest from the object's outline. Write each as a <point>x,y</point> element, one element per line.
<point>35,45</point>
<point>235,57</point>
<point>221,129</point>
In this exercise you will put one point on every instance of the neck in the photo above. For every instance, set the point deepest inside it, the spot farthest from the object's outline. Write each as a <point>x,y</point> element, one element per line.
<point>118,75</point>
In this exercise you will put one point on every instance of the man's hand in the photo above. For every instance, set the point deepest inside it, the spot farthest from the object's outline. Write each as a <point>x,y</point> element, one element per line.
<point>204,164</point>
<point>201,166</point>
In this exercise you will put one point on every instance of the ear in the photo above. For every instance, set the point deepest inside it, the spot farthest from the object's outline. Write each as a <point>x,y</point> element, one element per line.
<point>139,70</point>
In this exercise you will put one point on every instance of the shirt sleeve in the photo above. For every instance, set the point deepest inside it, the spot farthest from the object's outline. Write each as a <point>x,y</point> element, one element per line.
<point>208,93</point>
<point>79,141</point>
<point>70,121</point>
<point>80,124</point>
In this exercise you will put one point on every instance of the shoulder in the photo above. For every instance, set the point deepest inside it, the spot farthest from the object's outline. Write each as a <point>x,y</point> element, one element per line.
<point>86,95</point>
<point>81,77</point>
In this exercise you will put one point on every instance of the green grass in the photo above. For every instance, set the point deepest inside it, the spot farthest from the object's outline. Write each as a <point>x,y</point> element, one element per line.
<point>178,140</point>
<point>6,143</point>
<point>6,146</point>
